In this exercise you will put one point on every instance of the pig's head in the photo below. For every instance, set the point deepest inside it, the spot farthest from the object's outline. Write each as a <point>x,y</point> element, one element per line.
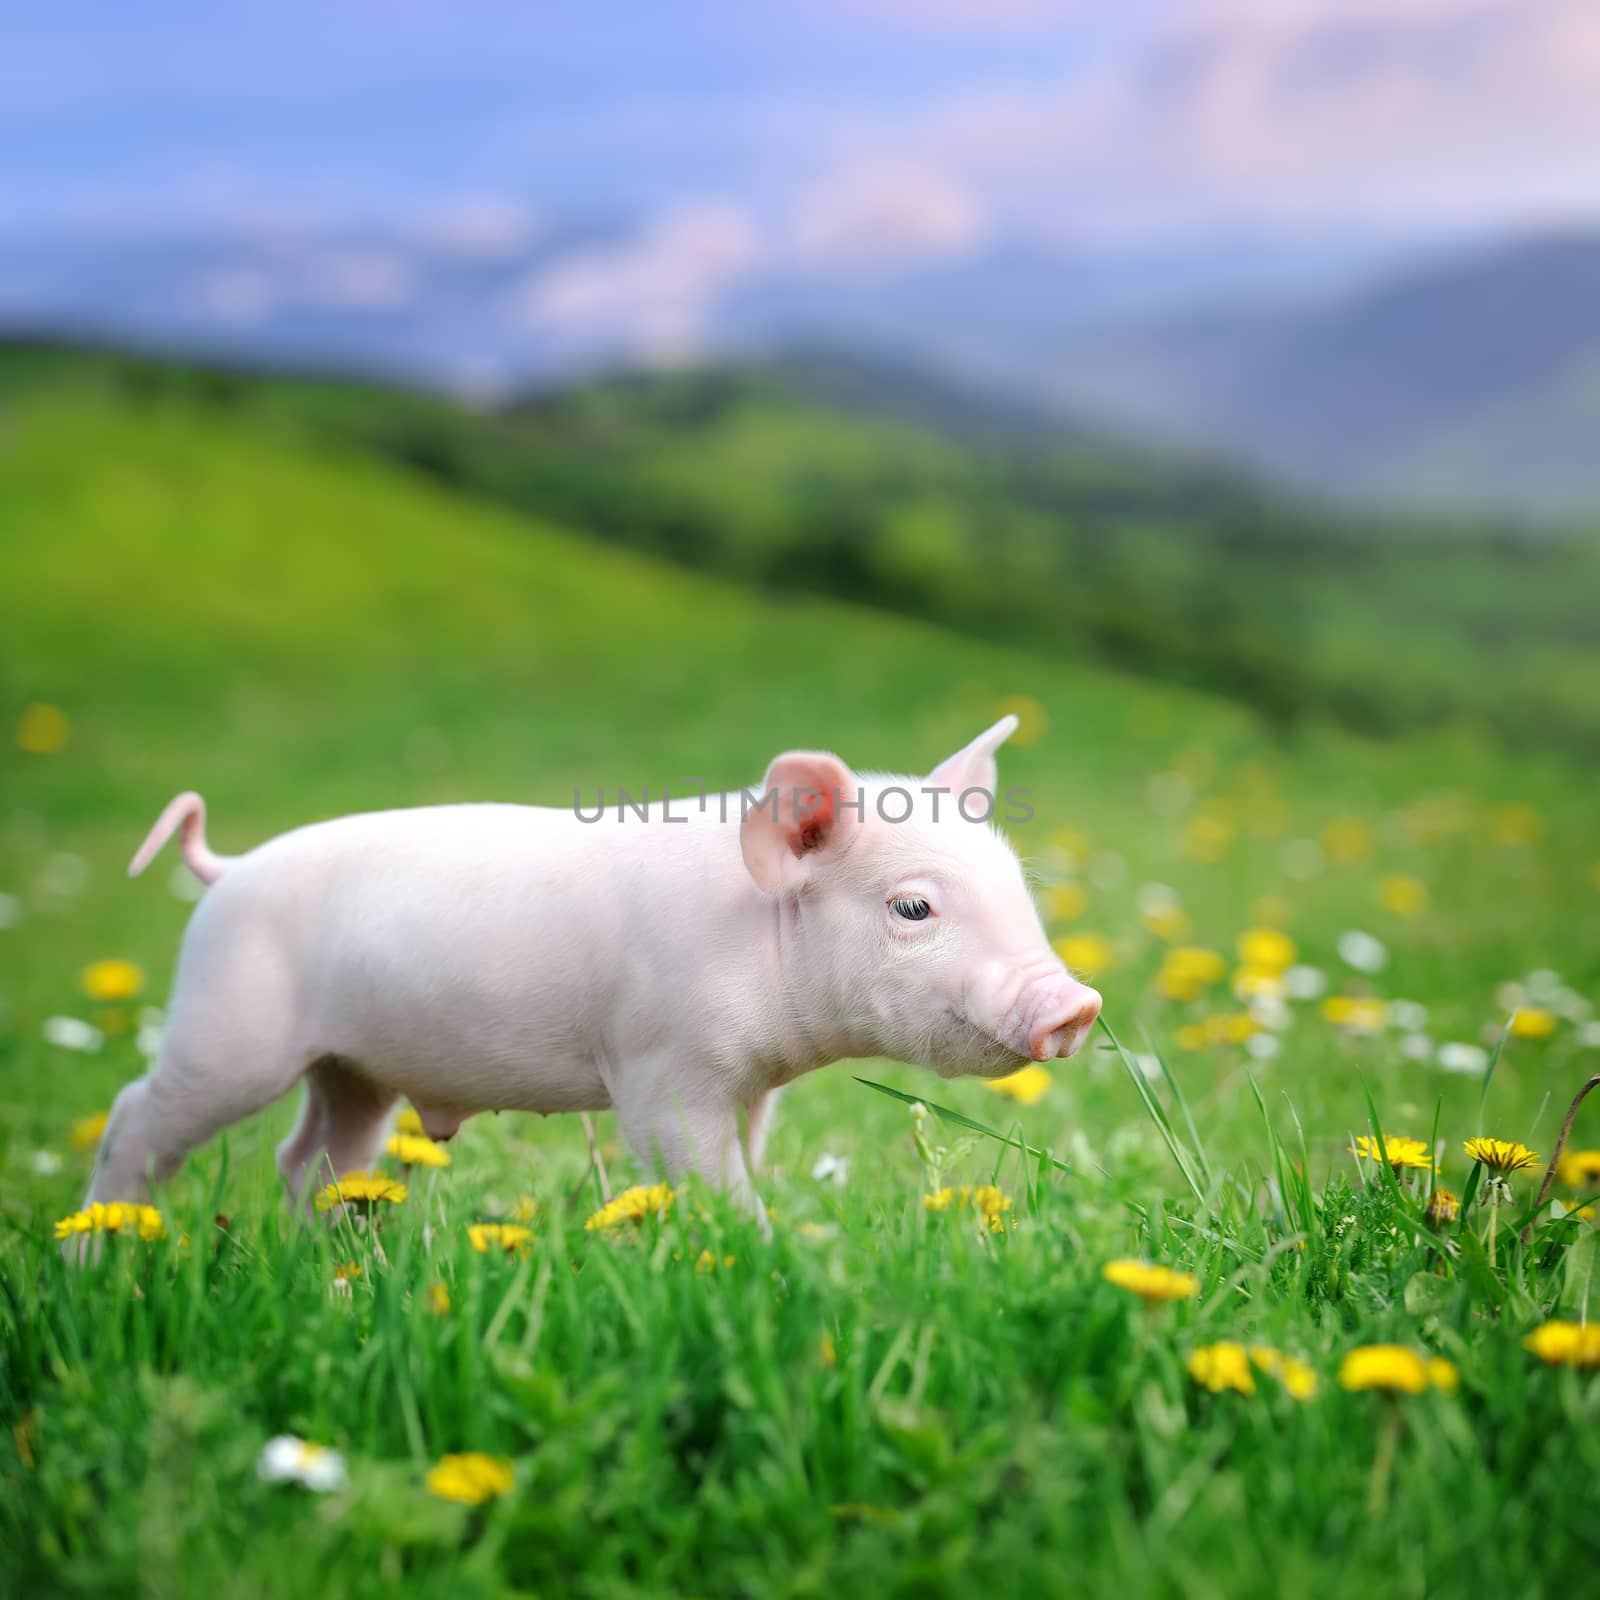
<point>910,929</point>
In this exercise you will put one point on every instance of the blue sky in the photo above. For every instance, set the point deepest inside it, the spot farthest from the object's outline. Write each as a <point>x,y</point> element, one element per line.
<point>183,109</point>
<point>641,168</point>
<point>1458,110</point>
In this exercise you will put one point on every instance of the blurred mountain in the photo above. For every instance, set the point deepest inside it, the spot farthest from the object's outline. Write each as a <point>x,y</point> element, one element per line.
<point>1457,382</point>
<point>1473,383</point>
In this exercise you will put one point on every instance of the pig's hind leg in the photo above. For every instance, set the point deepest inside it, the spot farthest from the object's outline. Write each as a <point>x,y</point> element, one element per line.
<point>206,1078</point>
<point>758,1117</point>
<point>341,1128</point>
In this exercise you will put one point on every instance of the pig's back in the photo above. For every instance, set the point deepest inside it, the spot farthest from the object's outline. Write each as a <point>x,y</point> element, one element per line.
<point>494,938</point>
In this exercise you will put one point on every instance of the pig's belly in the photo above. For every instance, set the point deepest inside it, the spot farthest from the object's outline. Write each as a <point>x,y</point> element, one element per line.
<point>464,1038</point>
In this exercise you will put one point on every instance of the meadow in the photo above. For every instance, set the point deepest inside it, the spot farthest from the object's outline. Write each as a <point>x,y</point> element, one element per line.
<point>1305,938</point>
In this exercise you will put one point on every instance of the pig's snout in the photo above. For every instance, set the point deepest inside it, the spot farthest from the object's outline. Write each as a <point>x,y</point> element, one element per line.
<point>1062,1019</point>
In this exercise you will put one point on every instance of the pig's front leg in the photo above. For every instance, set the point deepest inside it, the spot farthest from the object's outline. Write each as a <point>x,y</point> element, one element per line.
<point>675,1134</point>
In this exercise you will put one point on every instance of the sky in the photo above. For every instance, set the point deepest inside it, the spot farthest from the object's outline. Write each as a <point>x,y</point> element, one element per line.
<point>644,163</point>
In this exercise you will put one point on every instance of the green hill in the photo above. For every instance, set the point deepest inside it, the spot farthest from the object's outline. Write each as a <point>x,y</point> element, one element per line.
<point>869,484</point>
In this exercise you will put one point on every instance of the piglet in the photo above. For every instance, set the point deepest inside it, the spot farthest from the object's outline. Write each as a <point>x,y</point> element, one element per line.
<point>679,968</point>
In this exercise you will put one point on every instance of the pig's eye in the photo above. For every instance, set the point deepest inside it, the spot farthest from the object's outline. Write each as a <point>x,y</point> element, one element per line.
<point>911,910</point>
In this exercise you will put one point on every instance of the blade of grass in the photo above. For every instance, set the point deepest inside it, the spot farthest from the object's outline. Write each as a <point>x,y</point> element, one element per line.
<point>1494,1061</point>
<point>1468,1194</point>
<point>1200,1157</point>
<point>1433,1147</point>
<point>1402,1198</point>
<point>1157,1115</point>
<point>1272,1140</point>
<point>945,1114</point>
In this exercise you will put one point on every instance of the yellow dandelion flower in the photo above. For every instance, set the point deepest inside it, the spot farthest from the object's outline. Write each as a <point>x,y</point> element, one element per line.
<point>86,1131</point>
<point>993,1204</point>
<point>633,1205</point>
<point>439,1298</point>
<point>418,1150</point>
<point>1259,983</point>
<point>524,1208</point>
<point>1267,950</point>
<point>43,730</point>
<point>984,1198</point>
<point>1222,1366</point>
<point>1565,1344</point>
<point>1347,841</point>
<point>1579,1167</point>
<point>1298,1379</point>
<point>1208,839</point>
<point>1072,844</point>
<point>1193,1036</point>
<point>1027,1087</point>
<point>112,980</point>
<point>1151,1283</point>
<point>118,1217</point>
<point>1501,1155</point>
<point>1234,1028</point>
<point>1404,896</point>
<point>510,1237</point>
<point>410,1121</point>
<point>1168,922</point>
<point>1533,1022</point>
<point>1187,969</point>
<point>1516,824</point>
<point>1442,1374</point>
<point>1395,1368</point>
<point>1088,953</point>
<point>1355,1013</point>
<point>470,1479</point>
<point>1402,1152</point>
<point>1064,901</point>
<point>1443,1207</point>
<point>367,1190</point>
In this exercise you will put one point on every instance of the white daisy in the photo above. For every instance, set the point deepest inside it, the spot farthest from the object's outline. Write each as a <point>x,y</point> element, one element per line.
<point>830,1168</point>
<point>1468,1058</point>
<point>1270,1011</point>
<point>71,1033</point>
<point>1305,983</point>
<point>1362,951</point>
<point>287,1459</point>
<point>1408,1015</point>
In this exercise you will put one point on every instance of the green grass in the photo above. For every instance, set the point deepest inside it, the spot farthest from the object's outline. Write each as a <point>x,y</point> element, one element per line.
<point>299,632</point>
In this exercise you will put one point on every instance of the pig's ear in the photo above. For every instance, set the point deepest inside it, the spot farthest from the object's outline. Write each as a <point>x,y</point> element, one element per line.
<point>806,812</point>
<point>972,767</point>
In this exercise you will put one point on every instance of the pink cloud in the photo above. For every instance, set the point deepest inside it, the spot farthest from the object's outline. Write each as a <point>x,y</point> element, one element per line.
<point>877,214</point>
<point>650,292</point>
